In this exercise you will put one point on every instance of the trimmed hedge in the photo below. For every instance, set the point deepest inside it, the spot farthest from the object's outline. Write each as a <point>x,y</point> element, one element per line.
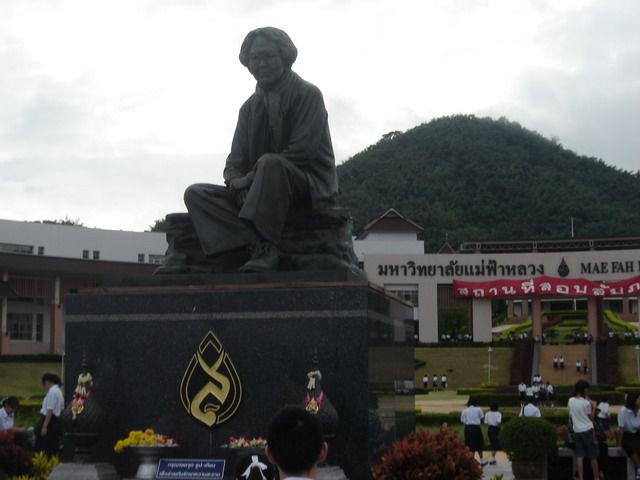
<point>513,400</point>
<point>613,318</point>
<point>43,358</point>
<point>557,418</point>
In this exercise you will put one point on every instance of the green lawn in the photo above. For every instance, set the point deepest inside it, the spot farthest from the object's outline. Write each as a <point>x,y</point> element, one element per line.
<point>468,365</point>
<point>22,379</point>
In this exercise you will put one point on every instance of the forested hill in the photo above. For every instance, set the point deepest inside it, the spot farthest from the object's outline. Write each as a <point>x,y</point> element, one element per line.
<point>484,179</point>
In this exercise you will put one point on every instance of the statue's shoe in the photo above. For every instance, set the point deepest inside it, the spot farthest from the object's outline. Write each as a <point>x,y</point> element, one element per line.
<point>265,258</point>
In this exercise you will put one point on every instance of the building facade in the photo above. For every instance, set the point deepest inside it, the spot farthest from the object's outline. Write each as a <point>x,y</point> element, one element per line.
<point>41,263</point>
<point>431,276</point>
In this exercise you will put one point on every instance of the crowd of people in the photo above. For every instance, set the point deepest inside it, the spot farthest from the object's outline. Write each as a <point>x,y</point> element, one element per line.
<point>47,434</point>
<point>437,382</point>
<point>537,392</point>
<point>589,423</point>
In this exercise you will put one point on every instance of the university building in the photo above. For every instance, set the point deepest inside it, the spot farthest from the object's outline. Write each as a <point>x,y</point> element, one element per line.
<point>40,263</point>
<point>581,271</point>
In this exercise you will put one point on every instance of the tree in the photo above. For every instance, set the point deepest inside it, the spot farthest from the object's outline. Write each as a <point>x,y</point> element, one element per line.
<point>160,225</point>
<point>66,221</point>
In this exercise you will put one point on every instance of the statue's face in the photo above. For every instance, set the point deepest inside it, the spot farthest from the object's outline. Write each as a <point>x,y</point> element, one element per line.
<point>265,63</point>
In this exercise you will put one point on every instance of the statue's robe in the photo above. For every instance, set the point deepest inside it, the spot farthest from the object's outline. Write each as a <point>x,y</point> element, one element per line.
<point>282,139</point>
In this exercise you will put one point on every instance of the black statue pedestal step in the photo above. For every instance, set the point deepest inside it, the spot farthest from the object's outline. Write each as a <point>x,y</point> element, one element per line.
<point>141,343</point>
<point>312,240</point>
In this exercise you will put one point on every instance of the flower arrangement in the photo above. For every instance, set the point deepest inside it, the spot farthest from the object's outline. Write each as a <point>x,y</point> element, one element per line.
<point>437,456</point>
<point>147,438</point>
<point>242,442</point>
<point>14,460</point>
<point>81,393</point>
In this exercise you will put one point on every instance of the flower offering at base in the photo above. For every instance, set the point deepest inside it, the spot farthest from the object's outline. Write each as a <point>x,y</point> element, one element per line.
<point>146,438</point>
<point>242,442</point>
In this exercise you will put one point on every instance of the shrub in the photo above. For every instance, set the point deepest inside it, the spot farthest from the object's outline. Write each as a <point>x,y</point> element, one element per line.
<point>422,455</point>
<point>14,460</point>
<point>528,439</point>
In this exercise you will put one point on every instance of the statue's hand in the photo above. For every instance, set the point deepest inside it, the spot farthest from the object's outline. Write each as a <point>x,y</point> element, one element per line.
<point>241,183</point>
<point>240,196</point>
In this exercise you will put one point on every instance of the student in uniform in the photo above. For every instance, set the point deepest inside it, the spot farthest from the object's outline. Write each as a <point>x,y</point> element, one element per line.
<point>434,383</point>
<point>530,409</point>
<point>493,419</point>
<point>522,390</point>
<point>580,412</point>
<point>425,381</point>
<point>471,417</point>
<point>443,381</point>
<point>628,435</point>
<point>603,413</point>
<point>49,431</point>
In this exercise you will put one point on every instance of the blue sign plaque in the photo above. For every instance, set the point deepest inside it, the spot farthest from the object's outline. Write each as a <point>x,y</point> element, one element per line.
<point>190,469</point>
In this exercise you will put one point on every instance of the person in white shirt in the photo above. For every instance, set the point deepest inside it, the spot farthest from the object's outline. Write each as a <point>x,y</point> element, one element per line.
<point>425,381</point>
<point>530,409</point>
<point>443,381</point>
<point>529,391</point>
<point>434,383</point>
<point>471,417</point>
<point>49,431</point>
<point>551,394</point>
<point>578,366</point>
<point>522,390</point>
<point>628,435</point>
<point>493,419</point>
<point>7,413</point>
<point>580,411</point>
<point>295,443</point>
<point>603,413</point>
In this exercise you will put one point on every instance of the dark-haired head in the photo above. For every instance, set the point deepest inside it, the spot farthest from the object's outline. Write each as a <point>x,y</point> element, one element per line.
<point>473,401</point>
<point>254,467</point>
<point>294,441</point>
<point>494,407</point>
<point>288,51</point>
<point>51,377</point>
<point>11,402</point>
<point>631,402</point>
<point>581,388</point>
<point>531,400</point>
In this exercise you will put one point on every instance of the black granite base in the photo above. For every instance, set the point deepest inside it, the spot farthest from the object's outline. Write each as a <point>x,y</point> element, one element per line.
<point>140,341</point>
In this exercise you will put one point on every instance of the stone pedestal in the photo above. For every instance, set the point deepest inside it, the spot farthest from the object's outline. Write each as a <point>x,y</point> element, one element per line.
<point>84,471</point>
<point>141,340</point>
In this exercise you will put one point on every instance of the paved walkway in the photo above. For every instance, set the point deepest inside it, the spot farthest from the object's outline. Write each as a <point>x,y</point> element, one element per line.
<point>502,467</point>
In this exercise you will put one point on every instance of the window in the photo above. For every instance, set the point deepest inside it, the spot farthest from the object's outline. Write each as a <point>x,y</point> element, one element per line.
<point>85,254</point>
<point>20,326</point>
<point>96,254</point>
<point>141,258</point>
<point>39,327</point>
<point>40,250</point>
<point>408,292</point>
<point>15,248</point>
<point>156,259</point>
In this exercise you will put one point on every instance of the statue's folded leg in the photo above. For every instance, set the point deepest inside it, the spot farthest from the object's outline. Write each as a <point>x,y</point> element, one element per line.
<point>215,219</point>
<point>277,184</point>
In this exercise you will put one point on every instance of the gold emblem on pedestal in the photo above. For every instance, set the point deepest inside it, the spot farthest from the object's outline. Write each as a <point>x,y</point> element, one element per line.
<point>210,390</point>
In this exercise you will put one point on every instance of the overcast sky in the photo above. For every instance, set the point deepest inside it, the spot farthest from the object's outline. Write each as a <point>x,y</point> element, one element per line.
<point>109,109</point>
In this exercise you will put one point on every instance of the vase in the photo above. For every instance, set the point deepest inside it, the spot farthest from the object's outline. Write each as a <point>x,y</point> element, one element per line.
<point>148,457</point>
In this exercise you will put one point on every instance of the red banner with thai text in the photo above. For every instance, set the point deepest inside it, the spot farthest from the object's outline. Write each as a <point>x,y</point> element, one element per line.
<point>547,286</point>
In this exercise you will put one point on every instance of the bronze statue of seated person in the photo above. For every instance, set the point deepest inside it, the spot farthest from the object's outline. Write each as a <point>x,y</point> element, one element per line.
<point>281,159</point>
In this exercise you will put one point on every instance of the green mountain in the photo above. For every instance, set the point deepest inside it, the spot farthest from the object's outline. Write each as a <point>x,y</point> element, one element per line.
<point>482,179</point>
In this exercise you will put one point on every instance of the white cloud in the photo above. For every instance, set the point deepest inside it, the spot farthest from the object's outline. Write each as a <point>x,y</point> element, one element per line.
<point>109,109</point>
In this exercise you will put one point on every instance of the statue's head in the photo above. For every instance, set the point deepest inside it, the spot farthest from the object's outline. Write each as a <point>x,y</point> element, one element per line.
<point>268,53</point>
